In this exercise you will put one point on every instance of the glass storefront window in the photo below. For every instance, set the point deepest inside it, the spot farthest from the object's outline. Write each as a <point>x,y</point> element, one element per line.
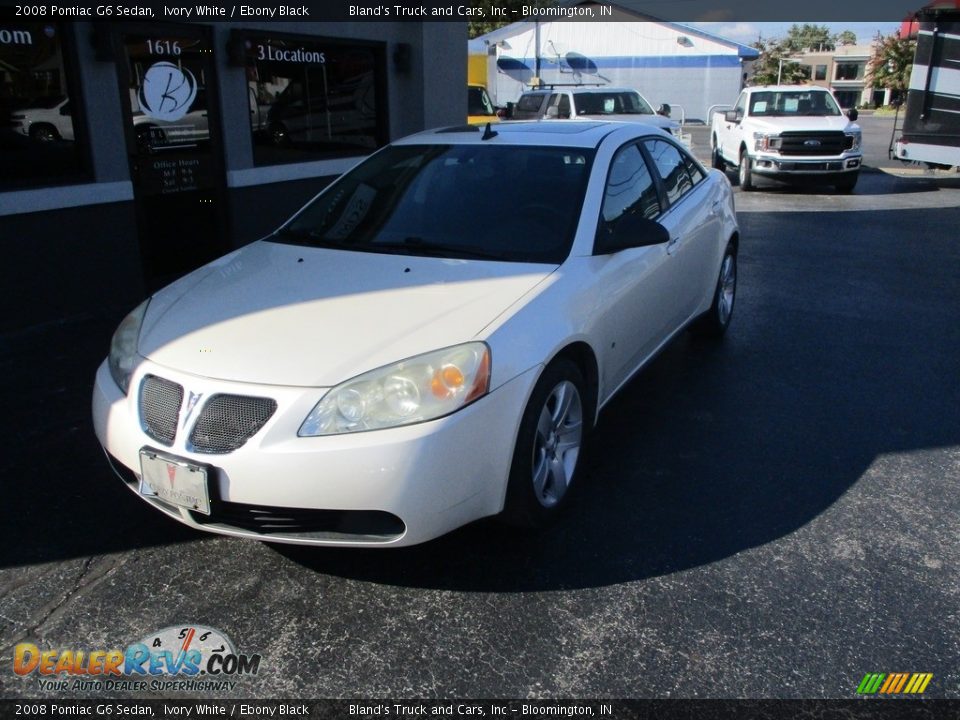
<point>849,71</point>
<point>38,124</point>
<point>314,98</point>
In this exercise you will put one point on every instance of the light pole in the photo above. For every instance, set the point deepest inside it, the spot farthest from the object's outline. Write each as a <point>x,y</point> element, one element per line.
<point>780,67</point>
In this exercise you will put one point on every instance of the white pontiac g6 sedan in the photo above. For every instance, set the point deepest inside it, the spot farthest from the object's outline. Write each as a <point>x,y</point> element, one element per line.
<point>425,343</point>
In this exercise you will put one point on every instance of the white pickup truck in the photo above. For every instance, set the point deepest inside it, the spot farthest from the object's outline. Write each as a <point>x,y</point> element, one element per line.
<point>789,133</point>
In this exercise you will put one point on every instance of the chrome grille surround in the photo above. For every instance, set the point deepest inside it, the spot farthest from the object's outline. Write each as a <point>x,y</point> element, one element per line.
<point>160,402</point>
<point>226,422</point>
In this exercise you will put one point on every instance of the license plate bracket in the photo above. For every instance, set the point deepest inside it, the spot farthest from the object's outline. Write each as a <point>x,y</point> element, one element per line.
<point>174,480</point>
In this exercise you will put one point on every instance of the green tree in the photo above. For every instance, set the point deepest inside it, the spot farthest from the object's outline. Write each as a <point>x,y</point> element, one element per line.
<point>775,61</point>
<point>892,61</point>
<point>847,37</point>
<point>481,27</point>
<point>808,37</point>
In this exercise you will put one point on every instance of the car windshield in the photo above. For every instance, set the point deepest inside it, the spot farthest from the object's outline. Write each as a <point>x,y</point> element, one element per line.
<point>612,103</point>
<point>789,103</point>
<point>513,203</point>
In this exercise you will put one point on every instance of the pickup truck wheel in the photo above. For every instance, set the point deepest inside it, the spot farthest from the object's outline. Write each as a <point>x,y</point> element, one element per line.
<point>717,159</point>
<point>744,175</point>
<point>847,184</point>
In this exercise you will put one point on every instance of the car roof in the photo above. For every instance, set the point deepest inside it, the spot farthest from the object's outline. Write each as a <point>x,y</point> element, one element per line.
<point>788,88</point>
<point>578,89</point>
<point>586,134</point>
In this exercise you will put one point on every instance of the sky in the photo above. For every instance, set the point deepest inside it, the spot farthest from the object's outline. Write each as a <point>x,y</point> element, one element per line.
<point>747,32</point>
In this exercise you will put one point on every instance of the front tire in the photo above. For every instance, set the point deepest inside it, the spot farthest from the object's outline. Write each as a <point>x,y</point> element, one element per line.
<point>716,320</point>
<point>548,447</point>
<point>717,159</point>
<point>744,173</point>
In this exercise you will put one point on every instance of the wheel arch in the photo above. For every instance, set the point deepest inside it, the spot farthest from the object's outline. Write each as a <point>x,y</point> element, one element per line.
<point>735,241</point>
<point>583,356</point>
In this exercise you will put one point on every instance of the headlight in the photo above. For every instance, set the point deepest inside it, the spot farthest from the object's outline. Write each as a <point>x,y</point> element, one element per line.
<point>766,141</point>
<point>123,346</point>
<point>854,139</point>
<point>421,388</point>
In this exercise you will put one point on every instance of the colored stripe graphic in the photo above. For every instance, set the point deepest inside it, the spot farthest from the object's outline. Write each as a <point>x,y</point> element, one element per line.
<point>894,683</point>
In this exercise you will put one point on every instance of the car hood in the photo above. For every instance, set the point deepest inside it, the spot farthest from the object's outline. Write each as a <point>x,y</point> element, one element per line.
<point>289,315</point>
<point>806,122</point>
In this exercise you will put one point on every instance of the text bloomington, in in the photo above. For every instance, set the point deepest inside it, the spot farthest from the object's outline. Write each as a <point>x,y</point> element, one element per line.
<point>403,11</point>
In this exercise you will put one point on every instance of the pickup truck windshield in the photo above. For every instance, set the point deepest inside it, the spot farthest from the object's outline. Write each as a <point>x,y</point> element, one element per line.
<point>791,103</point>
<point>506,202</point>
<point>612,103</point>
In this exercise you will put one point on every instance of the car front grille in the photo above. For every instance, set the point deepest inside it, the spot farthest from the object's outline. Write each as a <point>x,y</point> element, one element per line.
<point>160,402</point>
<point>374,525</point>
<point>813,143</point>
<point>228,421</point>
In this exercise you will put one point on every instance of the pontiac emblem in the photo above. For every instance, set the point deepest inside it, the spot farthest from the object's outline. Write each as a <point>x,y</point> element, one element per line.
<point>191,404</point>
<point>171,473</point>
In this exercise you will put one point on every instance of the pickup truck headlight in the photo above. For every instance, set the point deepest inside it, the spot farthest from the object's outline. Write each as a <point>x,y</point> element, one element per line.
<point>854,140</point>
<point>766,141</point>
<point>424,387</point>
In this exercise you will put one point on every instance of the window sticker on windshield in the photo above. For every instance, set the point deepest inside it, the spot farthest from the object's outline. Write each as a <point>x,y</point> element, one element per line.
<point>791,104</point>
<point>760,106</point>
<point>354,212</point>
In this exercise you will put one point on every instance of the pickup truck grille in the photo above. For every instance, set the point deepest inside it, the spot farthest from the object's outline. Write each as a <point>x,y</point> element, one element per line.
<point>813,143</point>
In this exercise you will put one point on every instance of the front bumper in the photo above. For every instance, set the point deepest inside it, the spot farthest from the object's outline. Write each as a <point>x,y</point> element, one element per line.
<point>393,487</point>
<point>785,166</point>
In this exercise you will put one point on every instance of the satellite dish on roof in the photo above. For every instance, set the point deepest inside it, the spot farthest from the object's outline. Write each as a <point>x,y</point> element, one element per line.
<point>514,69</point>
<point>581,63</point>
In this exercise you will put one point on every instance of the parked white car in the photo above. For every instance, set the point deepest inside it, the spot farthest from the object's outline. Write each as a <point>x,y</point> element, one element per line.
<point>46,121</point>
<point>403,356</point>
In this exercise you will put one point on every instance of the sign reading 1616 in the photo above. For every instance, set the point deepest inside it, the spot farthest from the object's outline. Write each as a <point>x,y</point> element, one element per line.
<point>164,47</point>
<point>299,55</point>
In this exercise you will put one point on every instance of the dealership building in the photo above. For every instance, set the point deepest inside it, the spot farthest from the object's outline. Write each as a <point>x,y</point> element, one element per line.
<point>133,152</point>
<point>669,63</point>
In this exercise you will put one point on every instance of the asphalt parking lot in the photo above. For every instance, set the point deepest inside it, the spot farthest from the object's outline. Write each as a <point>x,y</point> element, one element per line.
<point>774,516</point>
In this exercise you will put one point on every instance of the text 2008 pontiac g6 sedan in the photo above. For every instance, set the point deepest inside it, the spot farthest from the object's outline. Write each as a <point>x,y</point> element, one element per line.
<point>426,342</point>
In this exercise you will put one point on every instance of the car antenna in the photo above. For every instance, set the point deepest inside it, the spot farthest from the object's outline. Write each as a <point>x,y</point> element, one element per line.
<point>489,133</point>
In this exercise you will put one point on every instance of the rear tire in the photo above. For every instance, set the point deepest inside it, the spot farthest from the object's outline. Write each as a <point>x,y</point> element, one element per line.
<point>744,173</point>
<point>714,322</point>
<point>548,447</point>
<point>44,133</point>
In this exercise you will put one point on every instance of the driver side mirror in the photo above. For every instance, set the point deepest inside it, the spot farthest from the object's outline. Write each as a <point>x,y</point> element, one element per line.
<point>630,231</point>
<point>732,116</point>
<point>664,110</point>
<point>853,114</point>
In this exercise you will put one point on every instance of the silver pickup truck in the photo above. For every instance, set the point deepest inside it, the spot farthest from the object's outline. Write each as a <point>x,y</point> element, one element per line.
<point>788,133</point>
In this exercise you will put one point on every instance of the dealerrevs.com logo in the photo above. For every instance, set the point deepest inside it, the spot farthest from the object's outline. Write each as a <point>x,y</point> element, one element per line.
<point>898,683</point>
<point>184,657</point>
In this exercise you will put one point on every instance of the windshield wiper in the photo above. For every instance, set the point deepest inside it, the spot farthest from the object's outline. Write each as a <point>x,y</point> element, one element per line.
<point>302,236</point>
<point>419,246</point>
